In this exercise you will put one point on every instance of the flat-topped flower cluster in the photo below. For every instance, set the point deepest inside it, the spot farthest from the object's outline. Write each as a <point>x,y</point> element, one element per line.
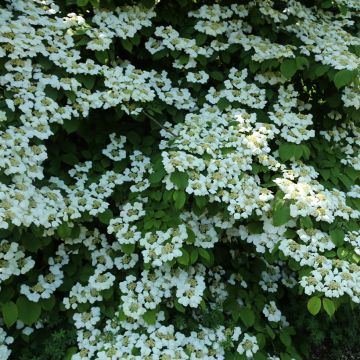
<point>163,180</point>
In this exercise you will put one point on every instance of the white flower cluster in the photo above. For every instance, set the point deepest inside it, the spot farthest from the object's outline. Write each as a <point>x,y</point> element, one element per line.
<point>351,96</point>
<point>121,23</point>
<point>13,260</point>
<point>226,146</point>
<point>230,146</point>
<point>48,284</point>
<point>239,91</point>
<point>293,126</point>
<point>310,198</point>
<point>324,36</point>
<point>347,139</point>
<point>5,341</point>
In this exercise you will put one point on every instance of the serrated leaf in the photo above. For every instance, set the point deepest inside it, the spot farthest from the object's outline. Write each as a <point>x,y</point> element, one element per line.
<point>337,236</point>
<point>10,313</point>
<point>194,256</point>
<point>200,39</point>
<point>128,248</point>
<point>204,254</point>
<point>127,45</point>
<point>180,179</point>
<point>285,338</point>
<point>328,306</point>
<point>314,305</point>
<point>102,56</point>
<point>71,126</point>
<point>106,216</point>
<point>301,62</point>
<point>201,201</point>
<point>64,230</point>
<point>216,75</point>
<point>281,215</point>
<point>48,304</point>
<point>150,316</point>
<point>28,311</point>
<point>180,198</point>
<point>223,103</point>
<point>344,77</point>
<point>247,316</point>
<point>288,68</point>
<point>81,2</point>
<point>184,259</point>
<point>148,3</point>
<point>286,151</point>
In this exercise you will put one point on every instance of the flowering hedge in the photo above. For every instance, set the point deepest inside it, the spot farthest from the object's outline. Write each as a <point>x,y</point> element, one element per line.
<point>171,171</point>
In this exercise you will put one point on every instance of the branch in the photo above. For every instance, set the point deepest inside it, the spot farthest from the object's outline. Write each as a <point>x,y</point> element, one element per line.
<point>153,119</point>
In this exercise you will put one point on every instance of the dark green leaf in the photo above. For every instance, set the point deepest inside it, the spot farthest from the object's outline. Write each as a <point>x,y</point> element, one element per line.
<point>288,68</point>
<point>314,305</point>
<point>10,313</point>
<point>29,312</point>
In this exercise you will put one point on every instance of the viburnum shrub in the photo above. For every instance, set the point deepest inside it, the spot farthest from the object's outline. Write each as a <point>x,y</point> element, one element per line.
<point>172,171</point>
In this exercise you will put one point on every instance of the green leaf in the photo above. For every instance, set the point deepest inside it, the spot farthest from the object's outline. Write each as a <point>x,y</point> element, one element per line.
<point>180,179</point>
<point>150,316</point>
<point>48,304</point>
<point>31,242</point>
<point>179,307</point>
<point>194,256</point>
<point>320,69</point>
<point>328,306</point>
<point>204,254</point>
<point>102,56</point>
<point>10,313</point>
<point>247,316</point>
<point>29,312</point>
<point>200,39</point>
<point>70,352</point>
<point>216,75</point>
<point>314,305</point>
<point>344,77</point>
<point>128,248</point>
<point>286,151</point>
<point>81,2</point>
<point>127,45</point>
<point>87,80</point>
<point>337,236</point>
<point>270,331</point>
<point>64,230</point>
<point>281,215</point>
<point>223,103</point>
<point>302,62</point>
<point>285,338</point>
<point>184,259</point>
<point>180,198</point>
<point>260,355</point>
<point>261,340</point>
<point>71,126</point>
<point>201,201</point>
<point>158,171</point>
<point>346,181</point>
<point>106,216</point>
<point>288,68</point>
<point>148,3</point>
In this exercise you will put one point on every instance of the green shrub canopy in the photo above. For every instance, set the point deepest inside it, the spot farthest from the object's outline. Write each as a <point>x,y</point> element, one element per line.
<point>171,171</point>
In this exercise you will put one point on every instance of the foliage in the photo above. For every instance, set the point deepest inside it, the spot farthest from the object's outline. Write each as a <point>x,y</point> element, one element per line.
<point>45,346</point>
<point>174,174</point>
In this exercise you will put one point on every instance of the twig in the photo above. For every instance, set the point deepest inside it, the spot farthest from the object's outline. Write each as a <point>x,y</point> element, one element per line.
<point>153,119</point>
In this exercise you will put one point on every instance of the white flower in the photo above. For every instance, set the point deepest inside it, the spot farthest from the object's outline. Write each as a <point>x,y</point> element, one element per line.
<point>272,312</point>
<point>248,345</point>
